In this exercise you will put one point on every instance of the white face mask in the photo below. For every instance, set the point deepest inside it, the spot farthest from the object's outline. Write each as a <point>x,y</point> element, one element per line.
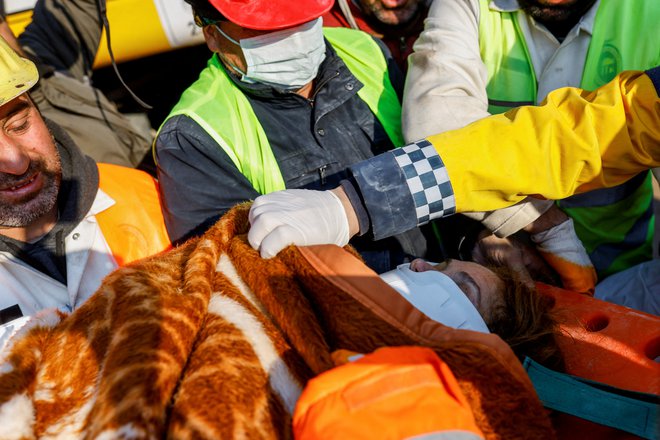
<point>287,59</point>
<point>437,296</point>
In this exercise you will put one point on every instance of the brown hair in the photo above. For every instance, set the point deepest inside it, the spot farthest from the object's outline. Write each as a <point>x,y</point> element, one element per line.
<point>525,321</point>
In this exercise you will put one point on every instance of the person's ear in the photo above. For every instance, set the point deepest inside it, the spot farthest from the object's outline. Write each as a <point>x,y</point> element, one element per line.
<point>212,37</point>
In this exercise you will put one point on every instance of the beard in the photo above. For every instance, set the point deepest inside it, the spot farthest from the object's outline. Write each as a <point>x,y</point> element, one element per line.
<point>569,12</point>
<point>394,21</point>
<point>24,211</point>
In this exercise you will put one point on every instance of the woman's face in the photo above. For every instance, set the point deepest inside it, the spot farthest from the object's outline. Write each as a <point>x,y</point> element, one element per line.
<point>481,285</point>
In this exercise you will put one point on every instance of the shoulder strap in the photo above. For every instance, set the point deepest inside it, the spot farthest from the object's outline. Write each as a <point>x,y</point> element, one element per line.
<point>511,78</point>
<point>629,411</point>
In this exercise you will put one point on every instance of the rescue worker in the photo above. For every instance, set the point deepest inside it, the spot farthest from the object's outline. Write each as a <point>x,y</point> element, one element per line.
<point>432,178</point>
<point>62,40</point>
<point>481,57</point>
<point>65,222</point>
<point>282,104</point>
<point>397,24</point>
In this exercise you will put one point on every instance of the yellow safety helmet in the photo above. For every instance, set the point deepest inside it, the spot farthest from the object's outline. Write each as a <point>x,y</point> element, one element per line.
<point>17,74</point>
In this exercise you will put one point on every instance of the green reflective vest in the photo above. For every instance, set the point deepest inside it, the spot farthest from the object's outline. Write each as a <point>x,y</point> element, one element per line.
<point>615,226</point>
<point>223,111</point>
<point>625,37</point>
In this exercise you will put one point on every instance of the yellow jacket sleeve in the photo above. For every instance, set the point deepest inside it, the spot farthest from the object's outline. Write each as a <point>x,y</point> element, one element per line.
<point>574,142</point>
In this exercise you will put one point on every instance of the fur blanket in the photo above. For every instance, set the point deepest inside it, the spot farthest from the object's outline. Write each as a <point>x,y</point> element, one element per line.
<point>211,341</point>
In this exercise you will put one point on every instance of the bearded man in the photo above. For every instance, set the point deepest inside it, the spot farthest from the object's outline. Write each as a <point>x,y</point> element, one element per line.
<point>397,23</point>
<point>480,57</point>
<point>65,222</point>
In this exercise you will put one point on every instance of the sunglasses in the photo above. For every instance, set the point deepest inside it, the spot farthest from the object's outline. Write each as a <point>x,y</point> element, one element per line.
<point>203,21</point>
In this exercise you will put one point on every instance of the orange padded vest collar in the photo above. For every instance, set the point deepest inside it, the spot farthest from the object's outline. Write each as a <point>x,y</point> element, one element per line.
<point>133,227</point>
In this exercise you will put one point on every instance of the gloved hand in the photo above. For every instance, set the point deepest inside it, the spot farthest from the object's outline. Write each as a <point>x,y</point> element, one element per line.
<point>563,250</point>
<point>296,216</point>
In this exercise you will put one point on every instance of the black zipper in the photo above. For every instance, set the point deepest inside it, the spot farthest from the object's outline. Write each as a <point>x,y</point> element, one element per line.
<point>320,85</point>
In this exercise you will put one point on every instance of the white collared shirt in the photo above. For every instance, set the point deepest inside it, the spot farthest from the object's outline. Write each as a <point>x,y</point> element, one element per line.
<point>88,261</point>
<point>555,64</point>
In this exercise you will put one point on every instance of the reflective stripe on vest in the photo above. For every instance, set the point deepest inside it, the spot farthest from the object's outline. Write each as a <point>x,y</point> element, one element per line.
<point>133,227</point>
<point>239,132</point>
<point>614,223</point>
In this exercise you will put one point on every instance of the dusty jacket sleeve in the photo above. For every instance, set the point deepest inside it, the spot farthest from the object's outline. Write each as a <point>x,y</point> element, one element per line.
<point>198,180</point>
<point>445,86</point>
<point>577,141</point>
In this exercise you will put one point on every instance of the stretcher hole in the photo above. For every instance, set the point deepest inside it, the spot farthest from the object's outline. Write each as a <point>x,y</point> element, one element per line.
<point>596,323</point>
<point>652,349</point>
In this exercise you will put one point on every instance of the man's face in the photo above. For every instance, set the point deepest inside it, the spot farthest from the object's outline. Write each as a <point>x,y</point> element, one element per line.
<point>30,168</point>
<point>393,12</point>
<point>556,11</point>
<point>230,52</point>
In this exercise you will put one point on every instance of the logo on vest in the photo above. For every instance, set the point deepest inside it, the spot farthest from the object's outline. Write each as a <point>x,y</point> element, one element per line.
<point>608,63</point>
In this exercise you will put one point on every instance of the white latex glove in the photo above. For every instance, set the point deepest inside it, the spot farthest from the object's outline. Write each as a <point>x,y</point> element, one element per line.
<point>296,216</point>
<point>563,250</point>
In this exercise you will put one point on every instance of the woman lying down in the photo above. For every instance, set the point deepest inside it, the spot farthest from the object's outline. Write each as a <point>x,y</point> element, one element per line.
<point>467,295</point>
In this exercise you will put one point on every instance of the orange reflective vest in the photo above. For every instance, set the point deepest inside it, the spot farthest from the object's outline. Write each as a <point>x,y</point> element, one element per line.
<point>388,394</point>
<point>133,227</point>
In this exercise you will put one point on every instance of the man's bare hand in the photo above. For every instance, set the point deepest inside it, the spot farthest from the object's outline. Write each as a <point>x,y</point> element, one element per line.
<point>512,252</point>
<point>552,217</point>
<point>555,255</point>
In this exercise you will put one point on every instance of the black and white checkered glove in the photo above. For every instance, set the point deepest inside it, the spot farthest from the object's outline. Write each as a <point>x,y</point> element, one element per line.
<point>296,216</point>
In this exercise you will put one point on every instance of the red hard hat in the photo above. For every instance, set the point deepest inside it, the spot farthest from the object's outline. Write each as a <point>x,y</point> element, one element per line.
<point>268,15</point>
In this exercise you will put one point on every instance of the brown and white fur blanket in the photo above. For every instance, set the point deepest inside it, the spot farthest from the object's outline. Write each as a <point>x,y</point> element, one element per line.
<point>209,341</point>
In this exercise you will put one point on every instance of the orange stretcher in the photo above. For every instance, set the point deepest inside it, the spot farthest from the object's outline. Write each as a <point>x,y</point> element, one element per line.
<point>607,343</point>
